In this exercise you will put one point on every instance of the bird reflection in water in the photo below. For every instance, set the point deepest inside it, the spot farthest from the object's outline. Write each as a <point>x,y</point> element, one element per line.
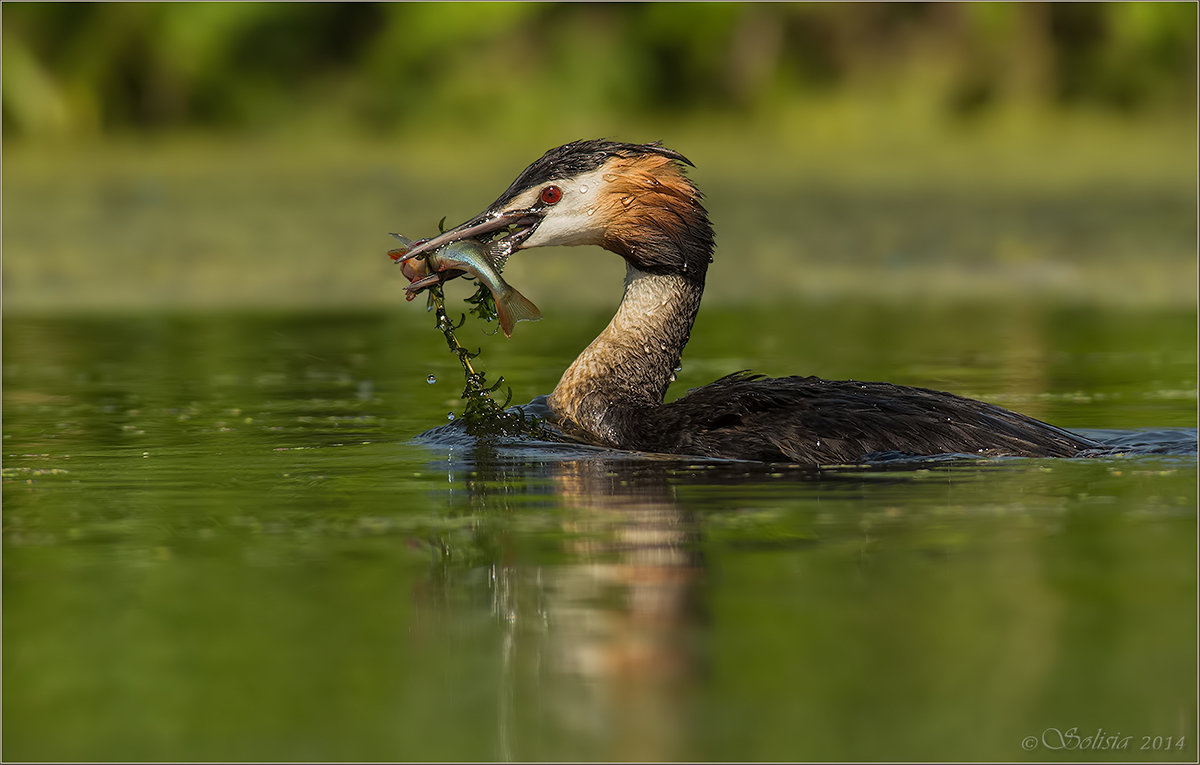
<point>595,576</point>
<point>600,629</point>
<point>627,608</point>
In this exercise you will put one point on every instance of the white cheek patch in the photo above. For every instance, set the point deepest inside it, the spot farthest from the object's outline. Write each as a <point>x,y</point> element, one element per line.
<point>572,220</point>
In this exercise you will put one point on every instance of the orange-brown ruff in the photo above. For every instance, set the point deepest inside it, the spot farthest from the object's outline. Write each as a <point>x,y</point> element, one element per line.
<point>649,199</point>
<point>636,201</point>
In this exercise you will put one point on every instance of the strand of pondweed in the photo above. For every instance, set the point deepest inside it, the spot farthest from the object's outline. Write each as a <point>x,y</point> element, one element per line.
<point>482,416</point>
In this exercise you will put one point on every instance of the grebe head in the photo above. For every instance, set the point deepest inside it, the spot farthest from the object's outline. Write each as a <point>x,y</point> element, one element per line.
<point>631,199</point>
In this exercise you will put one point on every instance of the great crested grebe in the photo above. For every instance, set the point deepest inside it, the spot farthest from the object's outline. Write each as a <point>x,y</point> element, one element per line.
<point>635,200</point>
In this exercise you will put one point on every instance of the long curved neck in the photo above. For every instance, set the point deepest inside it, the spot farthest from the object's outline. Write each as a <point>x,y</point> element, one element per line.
<point>628,367</point>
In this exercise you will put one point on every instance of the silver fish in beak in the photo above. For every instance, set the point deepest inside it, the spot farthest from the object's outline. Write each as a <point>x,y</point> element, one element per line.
<point>510,228</point>
<point>484,261</point>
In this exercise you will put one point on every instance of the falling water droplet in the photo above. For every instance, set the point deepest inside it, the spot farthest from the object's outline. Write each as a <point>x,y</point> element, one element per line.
<point>591,211</point>
<point>431,379</point>
<point>679,368</point>
<point>583,189</point>
<point>449,415</point>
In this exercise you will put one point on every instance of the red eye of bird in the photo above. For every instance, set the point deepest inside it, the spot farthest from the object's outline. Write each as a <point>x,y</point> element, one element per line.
<point>551,195</point>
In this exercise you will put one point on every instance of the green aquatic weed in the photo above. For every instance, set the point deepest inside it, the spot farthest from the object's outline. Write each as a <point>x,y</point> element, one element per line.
<point>482,416</point>
<point>484,304</point>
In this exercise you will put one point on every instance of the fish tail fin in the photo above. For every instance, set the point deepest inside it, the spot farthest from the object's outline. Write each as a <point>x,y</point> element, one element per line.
<point>513,307</point>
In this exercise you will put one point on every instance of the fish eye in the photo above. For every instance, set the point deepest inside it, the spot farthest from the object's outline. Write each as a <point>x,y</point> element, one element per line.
<point>551,195</point>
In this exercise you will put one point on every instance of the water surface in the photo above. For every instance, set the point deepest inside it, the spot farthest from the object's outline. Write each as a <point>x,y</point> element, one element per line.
<point>223,542</point>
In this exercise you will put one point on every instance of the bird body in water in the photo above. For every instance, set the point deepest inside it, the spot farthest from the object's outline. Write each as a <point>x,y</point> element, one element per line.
<point>635,200</point>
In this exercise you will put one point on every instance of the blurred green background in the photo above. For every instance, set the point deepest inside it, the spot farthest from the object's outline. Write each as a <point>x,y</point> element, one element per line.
<point>76,70</point>
<point>256,154</point>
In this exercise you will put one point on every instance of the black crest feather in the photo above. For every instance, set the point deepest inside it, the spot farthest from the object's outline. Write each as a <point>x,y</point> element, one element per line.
<point>577,157</point>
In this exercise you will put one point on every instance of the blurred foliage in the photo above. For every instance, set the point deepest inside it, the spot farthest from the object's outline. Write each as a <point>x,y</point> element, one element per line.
<point>87,69</point>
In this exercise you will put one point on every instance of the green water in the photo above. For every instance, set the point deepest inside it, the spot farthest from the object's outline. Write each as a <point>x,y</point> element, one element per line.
<point>221,543</point>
